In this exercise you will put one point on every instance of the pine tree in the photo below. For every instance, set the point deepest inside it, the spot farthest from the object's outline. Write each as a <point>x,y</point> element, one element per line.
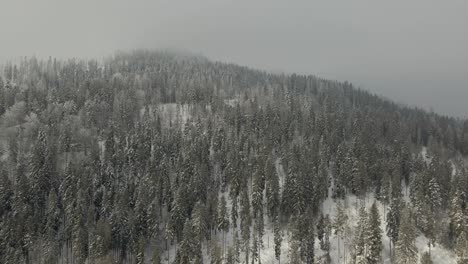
<point>373,237</point>
<point>278,239</point>
<point>246,221</point>
<point>41,170</point>
<point>190,247</point>
<point>308,240</point>
<point>294,241</point>
<point>385,189</point>
<point>393,220</point>
<point>339,223</point>
<point>79,234</point>
<point>236,247</point>
<point>255,247</point>
<point>359,253</point>
<point>223,219</point>
<point>199,221</point>
<point>458,220</point>
<point>435,195</point>
<point>406,251</point>
<point>272,188</point>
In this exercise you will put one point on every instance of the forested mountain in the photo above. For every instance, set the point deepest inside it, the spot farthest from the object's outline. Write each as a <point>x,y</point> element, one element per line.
<point>160,157</point>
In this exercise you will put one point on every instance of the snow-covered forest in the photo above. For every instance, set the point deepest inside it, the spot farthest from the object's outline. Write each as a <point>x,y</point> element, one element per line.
<point>161,157</point>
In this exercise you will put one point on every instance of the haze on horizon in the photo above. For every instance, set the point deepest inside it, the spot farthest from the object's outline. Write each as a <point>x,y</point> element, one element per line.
<point>411,51</point>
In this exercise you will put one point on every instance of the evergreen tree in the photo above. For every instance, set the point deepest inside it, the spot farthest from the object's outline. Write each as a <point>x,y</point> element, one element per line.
<point>246,221</point>
<point>294,241</point>
<point>278,237</point>
<point>190,247</point>
<point>360,242</point>
<point>406,251</point>
<point>41,170</point>
<point>393,221</point>
<point>223,219</point>
<point>199,221</point>
<point>272,188</point>
<point>339,224</point>
<point>373,237</point>
<point>308,240</point>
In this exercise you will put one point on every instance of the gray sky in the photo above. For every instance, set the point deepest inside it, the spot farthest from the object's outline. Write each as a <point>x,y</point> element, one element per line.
<point>414,51</point>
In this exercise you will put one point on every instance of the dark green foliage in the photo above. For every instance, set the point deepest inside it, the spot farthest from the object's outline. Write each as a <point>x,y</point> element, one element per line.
<point>373,237</point>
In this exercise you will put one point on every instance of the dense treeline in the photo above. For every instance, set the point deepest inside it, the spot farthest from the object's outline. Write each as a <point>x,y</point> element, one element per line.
<point>147,151</point>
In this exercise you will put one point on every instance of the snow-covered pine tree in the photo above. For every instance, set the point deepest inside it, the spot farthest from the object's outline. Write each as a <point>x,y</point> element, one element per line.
<point>223,220</point>
<point>199,221</point>
<point>308,239</point>
<point>246,221</point>
<point>373,236</point>
<point>405,248</point>
<point>294,241</point>
<point>190,246</point>
<point>278,237</point>
<point>359,249</point>
<point>393,221</point>
<point>272,188</point>
<point>339,224</point>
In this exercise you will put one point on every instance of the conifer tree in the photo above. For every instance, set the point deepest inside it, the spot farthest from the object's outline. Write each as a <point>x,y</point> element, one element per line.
<point>393,221</point>
<point>339,224</point>
<point>405,249</point>
<point>272,188</point>
<point>373,237</point>
<point>308,239</point>
<point>223,219</point>
<point>246,221</point>
<point>199,221</point>
<point>278,239</point>
<point>294,241</point>
<point>359,253</point>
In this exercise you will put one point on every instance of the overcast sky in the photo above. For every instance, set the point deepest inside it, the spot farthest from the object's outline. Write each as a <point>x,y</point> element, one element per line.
<point>415,51</point>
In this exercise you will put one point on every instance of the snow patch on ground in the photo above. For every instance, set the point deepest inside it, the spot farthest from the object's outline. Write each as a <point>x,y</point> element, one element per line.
<point>438,253</point>
<point>425,155</point>
<point>231,102</point>
<point>174,113</point>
